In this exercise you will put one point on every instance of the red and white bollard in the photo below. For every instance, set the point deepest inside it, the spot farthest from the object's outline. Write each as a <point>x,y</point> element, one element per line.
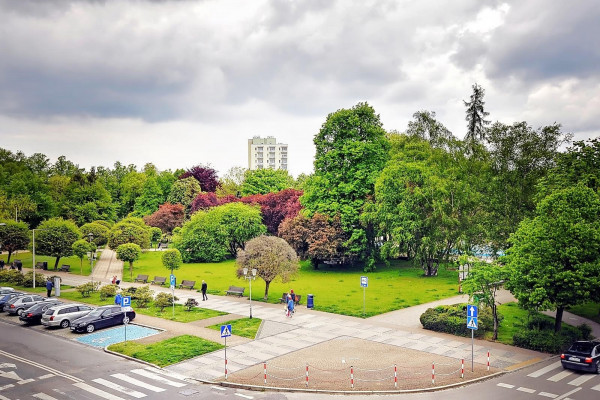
<point>395,377</point>
<point>433,373</point>
<point>265,369</point>
<point>306,375</point>
<point>225,369</point>
<point>462,368</point>
<point>488,361</point>
<point>352,377</point>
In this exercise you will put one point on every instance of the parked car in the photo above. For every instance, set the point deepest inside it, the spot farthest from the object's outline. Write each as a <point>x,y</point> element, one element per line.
<point>582,356</point>
<point>4,298</point>
<point>65,314</point>
<point>102,317</point>
<point>21,303</point>
<point>6,289</point>
<point>33,315</point>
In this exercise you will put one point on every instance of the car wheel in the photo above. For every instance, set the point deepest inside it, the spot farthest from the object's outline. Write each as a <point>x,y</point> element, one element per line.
<point>90,328</point>
<point>64,323</point>
<point>125,319</point>
<point>20,312</point>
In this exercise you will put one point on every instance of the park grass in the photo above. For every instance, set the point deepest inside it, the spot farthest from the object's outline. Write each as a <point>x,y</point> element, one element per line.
<point>245,327</point>
<point>181,314</point>
<point>590,311</point>
<point>167,352</point>
<point>76,269</point>
<point>335,288</point>
<point>37,289</point>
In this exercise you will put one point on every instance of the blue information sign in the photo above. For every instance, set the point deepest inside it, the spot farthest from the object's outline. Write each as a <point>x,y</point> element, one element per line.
<point>472,311</point>
<point>472,322</point>
<point>126,301</point>
<point>364,281</point>
<point>226,330</point>
<point>172,280</point>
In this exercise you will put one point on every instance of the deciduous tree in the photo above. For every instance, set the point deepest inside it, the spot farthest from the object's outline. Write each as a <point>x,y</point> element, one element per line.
<point>171,259</point>
<point>266,180</point>
<point>55,237</point>
<point>99,231</point>
<point>129,252</point>
<point>80,249</point>
<point>271,256</point>
<point>205,175</point>
<point>13,236</point>
<point>167,217</point>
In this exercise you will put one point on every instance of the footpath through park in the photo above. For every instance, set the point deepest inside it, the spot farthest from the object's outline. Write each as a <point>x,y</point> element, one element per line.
<point>323,340</point>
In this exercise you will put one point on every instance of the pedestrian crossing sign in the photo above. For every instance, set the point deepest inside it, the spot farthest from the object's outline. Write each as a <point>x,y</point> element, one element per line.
<point>225,330</point>
<point>472,322</point>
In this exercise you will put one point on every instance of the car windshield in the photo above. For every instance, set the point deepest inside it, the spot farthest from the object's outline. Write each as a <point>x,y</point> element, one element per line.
<point>97,312</point>
<point>582,347</point>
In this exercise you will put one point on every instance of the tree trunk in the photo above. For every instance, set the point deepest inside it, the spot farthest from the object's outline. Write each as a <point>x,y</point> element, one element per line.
<point>130,269</point>
<point>315,263</point>
<point>267,283</point>
<point>8,259</point>
<point>81,267</point>
<point>558,321</point>
<point>56,263</point>
<point>495,315</point>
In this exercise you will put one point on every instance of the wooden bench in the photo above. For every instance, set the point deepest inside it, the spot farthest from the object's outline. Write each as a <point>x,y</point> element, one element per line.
<point>162,246</point>
<point>141,278</point>
<point>159,280</point>
<point>187,284</point>
<point>283,299</point>
<point>64,268</point>
<point>239,291</point>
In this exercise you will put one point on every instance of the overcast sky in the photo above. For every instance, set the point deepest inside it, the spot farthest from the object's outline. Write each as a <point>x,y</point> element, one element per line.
<point>181,83</point>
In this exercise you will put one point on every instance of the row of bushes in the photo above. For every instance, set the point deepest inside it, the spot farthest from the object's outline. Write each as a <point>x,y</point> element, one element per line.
<point>539,335</point>
<point>17,278</point>
<point>453,319</point>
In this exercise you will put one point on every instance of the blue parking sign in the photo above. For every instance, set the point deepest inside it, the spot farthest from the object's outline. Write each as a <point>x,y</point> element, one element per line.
<point>126,301</point>
<point>172,280</point>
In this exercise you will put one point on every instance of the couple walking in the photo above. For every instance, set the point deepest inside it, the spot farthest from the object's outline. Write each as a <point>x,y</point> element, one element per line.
<point>291,299</point>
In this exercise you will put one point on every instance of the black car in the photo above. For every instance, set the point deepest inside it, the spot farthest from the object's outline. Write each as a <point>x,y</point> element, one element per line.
<point>582,356</point>
<point>5,298</point>
<point>33,315</point>
<point>102,317</point>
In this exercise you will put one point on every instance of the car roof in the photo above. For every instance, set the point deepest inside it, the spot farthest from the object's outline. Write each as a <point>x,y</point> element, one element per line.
<point>61,306</point>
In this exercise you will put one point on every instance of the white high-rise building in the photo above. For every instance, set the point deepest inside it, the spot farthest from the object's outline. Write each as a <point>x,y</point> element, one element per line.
<point>267,153</point>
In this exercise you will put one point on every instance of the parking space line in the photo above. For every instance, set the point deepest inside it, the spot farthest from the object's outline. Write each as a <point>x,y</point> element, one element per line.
<point>506,385</point>
<point>46,376</point>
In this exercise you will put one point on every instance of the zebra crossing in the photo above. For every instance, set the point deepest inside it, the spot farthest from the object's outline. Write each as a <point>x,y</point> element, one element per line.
<point>136,383</point>
<point>552,378</point>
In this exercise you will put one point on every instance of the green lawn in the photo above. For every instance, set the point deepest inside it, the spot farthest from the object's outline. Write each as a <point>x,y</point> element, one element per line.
<point>244,327</point>
<point>588,310</point>
<point>27,258</point>
<point>336,289</point>
<point>167,352</point>
<point>181,315</point>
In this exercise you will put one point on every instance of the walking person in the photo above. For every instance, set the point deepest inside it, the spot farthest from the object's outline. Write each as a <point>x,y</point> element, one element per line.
<point>203,290</point>
<point>49,286</point>
<point>290,306</point>
<point>114,280</point>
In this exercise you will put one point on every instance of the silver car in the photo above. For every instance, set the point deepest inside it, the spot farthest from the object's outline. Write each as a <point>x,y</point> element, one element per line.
<point>64,314</point>
<point>22,303</point>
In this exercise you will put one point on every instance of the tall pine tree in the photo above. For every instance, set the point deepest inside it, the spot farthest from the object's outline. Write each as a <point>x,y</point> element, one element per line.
<point>476,114</point>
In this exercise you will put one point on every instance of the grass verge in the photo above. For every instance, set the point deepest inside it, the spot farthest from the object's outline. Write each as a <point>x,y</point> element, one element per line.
<point>590,311</point>
<point>244,327</point>
<point>167,352</point>
<point>78,267</point>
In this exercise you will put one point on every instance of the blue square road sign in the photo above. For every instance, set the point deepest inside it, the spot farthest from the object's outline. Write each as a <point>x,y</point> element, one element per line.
<point>226,330</point>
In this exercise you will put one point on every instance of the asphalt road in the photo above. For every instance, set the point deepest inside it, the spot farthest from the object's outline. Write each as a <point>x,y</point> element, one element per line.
<point>38,364</point>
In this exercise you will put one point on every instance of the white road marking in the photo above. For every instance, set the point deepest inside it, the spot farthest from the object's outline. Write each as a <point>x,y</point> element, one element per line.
<point>562,396</point>
<point>526,390</point>
<point>597,387</point>
<point>119,388</point>
<point>6,398</point>
<point>506,385</point>
<point>46,376</point>
<point>581,379</point>
<point>167,373</point>
<point>97,392</point>
<point>44,396</point>
<point>38,365</point>
<point>11,375</point>
<point>139,383</point>
<point>158,378</point>
<point>244,396</point>
<point>559,376</point>
<point>6,387</point>
<point>542,371</point>
<point>218,388</point>
<point>546,394</point>
<point>24,381</point>
<point>7,365</point>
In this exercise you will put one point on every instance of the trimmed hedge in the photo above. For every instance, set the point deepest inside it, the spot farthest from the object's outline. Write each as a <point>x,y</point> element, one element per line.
<point>453,319</point>
<point>540,336</point>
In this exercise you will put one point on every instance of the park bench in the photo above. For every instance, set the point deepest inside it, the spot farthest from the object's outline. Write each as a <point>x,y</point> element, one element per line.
<point>159,280</point>
<point>162,246</point>
<point>239,291</point>
<point>64,268</point>
<point>283,298</point>
<point>141,278</point>
<point>187,284</point>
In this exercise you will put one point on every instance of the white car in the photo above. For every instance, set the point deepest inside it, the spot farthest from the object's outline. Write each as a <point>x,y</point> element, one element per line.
<point>64,314</point>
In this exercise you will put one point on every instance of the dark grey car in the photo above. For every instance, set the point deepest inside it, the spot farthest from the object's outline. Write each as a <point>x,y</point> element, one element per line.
<point>19,304</point>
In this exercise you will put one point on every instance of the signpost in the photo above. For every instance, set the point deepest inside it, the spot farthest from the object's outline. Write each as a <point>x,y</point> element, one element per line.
<point>173,282</point>
<point>225,332</point>
<point>125,306</point>
<point>364,282</point>
<point>472,313</point>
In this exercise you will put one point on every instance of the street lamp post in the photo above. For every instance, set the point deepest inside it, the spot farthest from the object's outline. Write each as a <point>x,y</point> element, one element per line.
<point>91,237</point>
<point>250,278</point>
